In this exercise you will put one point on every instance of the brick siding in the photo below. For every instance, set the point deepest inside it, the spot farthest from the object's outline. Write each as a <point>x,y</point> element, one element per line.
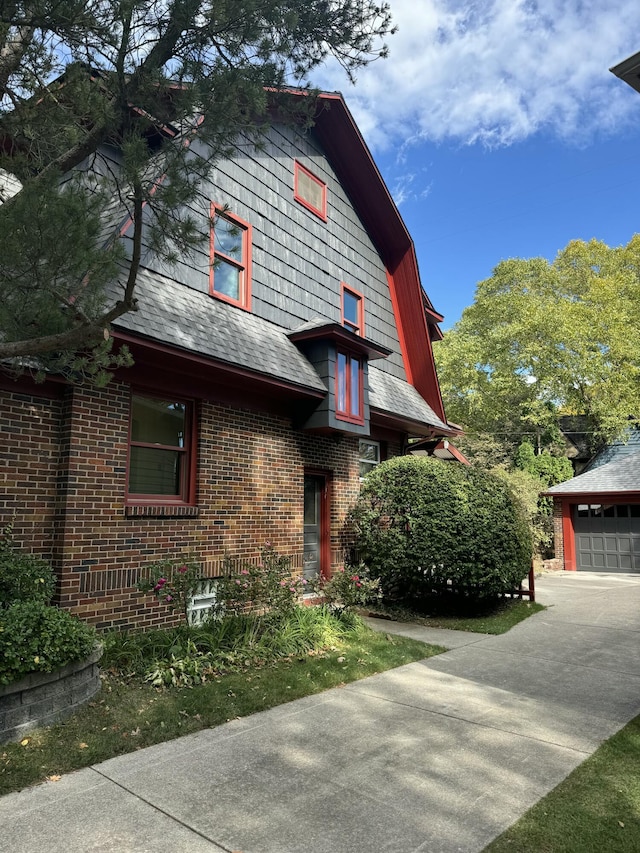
<point>558,539</point>
<point>65,483</point>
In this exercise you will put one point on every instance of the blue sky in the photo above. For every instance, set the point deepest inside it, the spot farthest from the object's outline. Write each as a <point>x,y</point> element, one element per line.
<point>501,132</point>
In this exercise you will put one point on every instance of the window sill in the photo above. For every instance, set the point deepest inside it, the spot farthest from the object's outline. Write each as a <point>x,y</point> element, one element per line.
<point>161,511</point>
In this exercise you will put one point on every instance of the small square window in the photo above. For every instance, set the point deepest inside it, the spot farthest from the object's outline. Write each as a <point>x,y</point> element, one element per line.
<point>352,310</point>
<point>230,258</point>
<point>309,191</point>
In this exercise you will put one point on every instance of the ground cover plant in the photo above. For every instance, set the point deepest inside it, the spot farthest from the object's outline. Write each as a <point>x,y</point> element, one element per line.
<point>130,713</point>
<point>424,526</point>
<point>34,635</point>
<point>595,809</point>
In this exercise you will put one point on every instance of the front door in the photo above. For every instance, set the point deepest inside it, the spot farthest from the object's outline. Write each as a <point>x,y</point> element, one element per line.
<point>314,521</point>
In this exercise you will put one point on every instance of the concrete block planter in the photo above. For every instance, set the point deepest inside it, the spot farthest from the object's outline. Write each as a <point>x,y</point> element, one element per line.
<point>43,698</point>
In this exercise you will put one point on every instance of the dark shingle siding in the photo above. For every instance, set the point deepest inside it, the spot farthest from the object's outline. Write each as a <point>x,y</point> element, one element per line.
<point>298,261</point>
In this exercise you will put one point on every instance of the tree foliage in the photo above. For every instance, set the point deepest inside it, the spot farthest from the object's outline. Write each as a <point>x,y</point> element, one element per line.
<point>79,78</point>
<point>547,338</point>
<point>423,525</point>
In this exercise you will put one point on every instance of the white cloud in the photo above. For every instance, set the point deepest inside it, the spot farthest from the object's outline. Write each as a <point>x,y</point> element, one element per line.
<point>496,71</point>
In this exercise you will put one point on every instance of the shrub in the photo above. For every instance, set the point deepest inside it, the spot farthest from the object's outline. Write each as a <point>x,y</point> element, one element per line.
<point>269,586</point>
<point>23,577</point>
<point>424,525</point>
<point>173,582</point>
<point>35,637</point>
<point>349,587</point>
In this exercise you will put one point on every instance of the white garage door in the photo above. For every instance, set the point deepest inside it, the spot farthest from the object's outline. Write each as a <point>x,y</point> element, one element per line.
<point>607,537</point>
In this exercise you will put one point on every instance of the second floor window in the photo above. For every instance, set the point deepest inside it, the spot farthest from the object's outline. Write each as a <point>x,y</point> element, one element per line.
<point>230,262</point>
<point>352,310</point>
<point>349,388</point>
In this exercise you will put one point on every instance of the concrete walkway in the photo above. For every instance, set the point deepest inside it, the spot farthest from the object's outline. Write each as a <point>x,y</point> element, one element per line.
<point>436,756</point>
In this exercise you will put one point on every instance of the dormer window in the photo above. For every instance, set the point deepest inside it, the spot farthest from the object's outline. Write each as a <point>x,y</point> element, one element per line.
<point>309,191</point>
<point>352,310</point>
<point>349,388</point>
<point>230,258</point>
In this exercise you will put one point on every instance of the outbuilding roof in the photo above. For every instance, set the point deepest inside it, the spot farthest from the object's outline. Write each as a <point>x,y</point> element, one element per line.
<point>618,476</point>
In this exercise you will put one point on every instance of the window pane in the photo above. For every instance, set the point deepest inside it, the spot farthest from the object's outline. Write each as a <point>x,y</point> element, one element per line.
<point>596,510</point>
<point>583,510</point>
<point>369,451</point>
<point>310,190</point>
<point>341,395</point>
<point>156,421</point>
<point>228,238</point>
<point>351,309</point>
<point>154,472</point>
<point>634,510</point>
<point>355,387</point>
<point>609,511</point>
<point>365,467</point>
<point>226,279</point>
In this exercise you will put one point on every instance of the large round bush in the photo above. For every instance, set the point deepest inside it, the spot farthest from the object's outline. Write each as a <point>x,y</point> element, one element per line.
<point>424,525</point>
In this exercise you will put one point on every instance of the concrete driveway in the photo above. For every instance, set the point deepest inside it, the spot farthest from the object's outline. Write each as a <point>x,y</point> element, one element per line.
<point>436,756</point>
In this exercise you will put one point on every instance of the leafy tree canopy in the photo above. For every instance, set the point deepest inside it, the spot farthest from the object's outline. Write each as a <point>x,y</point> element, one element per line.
<point>81,77</point>
<point>543,339</point>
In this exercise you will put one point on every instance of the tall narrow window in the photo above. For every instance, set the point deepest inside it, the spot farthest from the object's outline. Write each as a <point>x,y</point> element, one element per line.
<point>230,262</point>
<point>349,388</point>
<point>309,190</point>
<point>352,310</point>
<point>369,455</point>
<point>160,449</point>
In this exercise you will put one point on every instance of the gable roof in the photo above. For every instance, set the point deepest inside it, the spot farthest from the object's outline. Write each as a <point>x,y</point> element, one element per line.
<point>416,319</point>
<point>621,475</point>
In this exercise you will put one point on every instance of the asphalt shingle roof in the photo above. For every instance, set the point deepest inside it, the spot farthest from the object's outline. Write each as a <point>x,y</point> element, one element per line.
<point>620,475</point>
<point>390,394</point>
<point>180,316</point>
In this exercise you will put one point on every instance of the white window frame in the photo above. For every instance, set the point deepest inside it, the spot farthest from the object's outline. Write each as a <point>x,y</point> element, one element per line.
<point>362,461</point>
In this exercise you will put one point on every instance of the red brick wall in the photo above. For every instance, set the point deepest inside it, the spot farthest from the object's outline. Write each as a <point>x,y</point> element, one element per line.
<point>558,539</point>
<point>249,491</point>
<point>29,456</point>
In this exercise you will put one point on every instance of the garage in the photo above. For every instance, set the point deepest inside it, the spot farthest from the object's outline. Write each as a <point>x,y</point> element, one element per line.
<point>607,537</point>
<point>597,514</point>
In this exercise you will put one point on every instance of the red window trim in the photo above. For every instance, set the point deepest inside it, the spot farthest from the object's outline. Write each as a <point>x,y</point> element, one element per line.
<point>359,328</point>
<point>187,495</point>
<point>247,240</point>
<point>348,415</point>
<point>320,213</point>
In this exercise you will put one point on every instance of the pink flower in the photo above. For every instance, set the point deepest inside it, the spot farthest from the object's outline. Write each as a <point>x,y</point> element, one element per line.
<point>161,582</point>
<point>292,589</point>
<point>182,569</point>
<point>238,582</point>
<point>358,585</point>
<point>283,583</point>
<point>303,582</point>
<point>169,598</point>
<point>244,572</point>
<point>355,578</point>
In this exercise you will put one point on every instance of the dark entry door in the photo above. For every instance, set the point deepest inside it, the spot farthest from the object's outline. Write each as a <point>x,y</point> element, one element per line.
<point>314,487</point>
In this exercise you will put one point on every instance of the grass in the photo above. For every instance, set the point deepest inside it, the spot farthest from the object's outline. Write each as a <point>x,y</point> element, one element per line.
<point>595,809</point>
<point>496,618</point>
<point>130,714</point>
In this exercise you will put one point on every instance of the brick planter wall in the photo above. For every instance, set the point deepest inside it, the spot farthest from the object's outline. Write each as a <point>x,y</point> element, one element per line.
<point>43,698</point>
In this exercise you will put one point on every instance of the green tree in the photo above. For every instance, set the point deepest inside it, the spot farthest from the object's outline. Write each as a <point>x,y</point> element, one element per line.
<point>546,338</point>
<point>82,78</point>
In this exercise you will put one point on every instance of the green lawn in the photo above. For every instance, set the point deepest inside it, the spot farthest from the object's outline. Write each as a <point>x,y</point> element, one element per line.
<point>595,810</point>
<point>129,714</point>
